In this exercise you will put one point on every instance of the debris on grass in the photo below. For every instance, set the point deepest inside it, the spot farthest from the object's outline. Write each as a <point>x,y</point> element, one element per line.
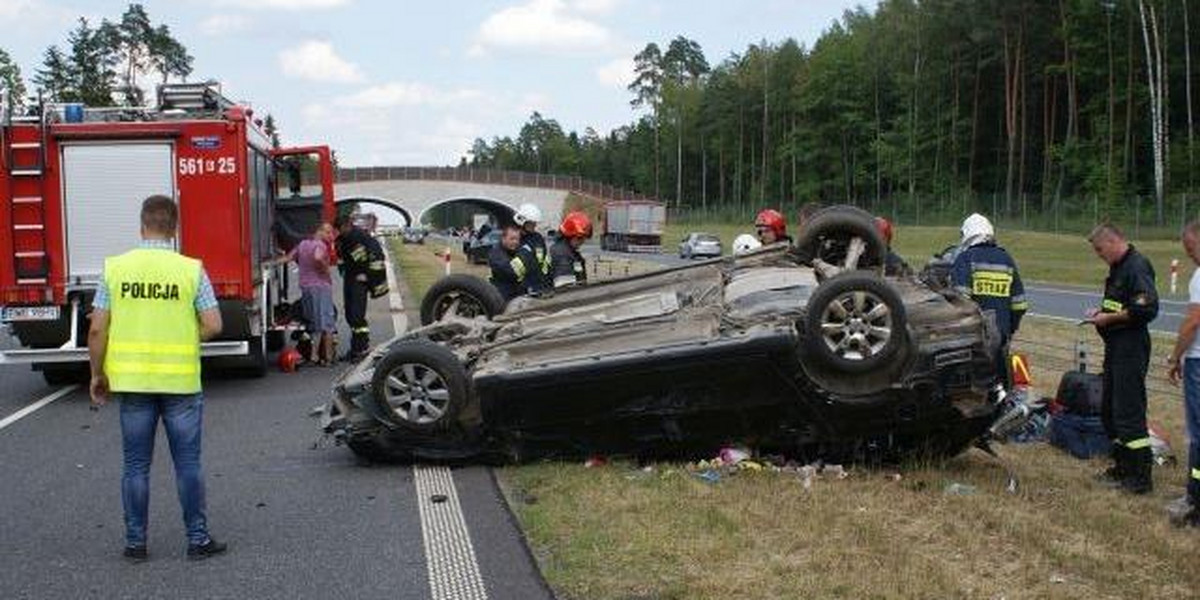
<point>959,489</point>
<point>595,461</point>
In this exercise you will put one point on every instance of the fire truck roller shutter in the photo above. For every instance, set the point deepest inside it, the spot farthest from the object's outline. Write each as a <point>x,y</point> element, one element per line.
<point>103,188</point>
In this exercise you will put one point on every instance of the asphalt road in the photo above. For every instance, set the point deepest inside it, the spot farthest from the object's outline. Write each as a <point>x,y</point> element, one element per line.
<point>1047,300</point>
<point>303,519</point>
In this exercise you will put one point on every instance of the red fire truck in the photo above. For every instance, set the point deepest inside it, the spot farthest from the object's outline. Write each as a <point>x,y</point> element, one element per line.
<point>72,180</point>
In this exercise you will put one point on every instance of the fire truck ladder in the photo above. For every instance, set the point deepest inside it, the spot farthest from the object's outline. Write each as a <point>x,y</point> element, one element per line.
<point>23,142</point>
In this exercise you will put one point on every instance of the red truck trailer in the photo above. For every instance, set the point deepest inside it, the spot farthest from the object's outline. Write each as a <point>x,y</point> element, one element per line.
<point>72,180</point>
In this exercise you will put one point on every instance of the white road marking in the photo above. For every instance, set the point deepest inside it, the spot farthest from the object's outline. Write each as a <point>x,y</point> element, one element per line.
<point>28,410</point>
<point>1083,293</point>
<point>450,556</point>
<point>453,569</point>
<point>395,302</point>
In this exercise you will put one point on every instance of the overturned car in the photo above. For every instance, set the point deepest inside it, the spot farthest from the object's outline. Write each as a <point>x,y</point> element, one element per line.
<point>808,351</point>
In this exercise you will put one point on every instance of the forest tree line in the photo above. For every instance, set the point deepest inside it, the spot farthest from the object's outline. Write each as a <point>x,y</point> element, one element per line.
<point>923,110</point>
<point>103,64</point>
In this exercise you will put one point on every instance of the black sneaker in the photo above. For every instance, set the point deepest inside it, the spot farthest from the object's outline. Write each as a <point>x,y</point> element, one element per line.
<point>136,554</point>
<point>206,550</point>
<point>1136,486</point>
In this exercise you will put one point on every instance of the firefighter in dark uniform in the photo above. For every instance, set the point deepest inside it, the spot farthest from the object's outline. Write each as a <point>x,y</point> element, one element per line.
<point>364,275</point>
<point>985,271</point>
<point>1130,303</point>
<point>527,218</point>
<point>511,265</point>
<point>567,265</point>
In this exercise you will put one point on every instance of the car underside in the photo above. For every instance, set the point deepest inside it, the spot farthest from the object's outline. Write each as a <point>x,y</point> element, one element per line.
<point>806,352</point>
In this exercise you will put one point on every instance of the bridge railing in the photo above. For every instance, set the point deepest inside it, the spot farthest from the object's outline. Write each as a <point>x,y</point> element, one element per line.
<point>570,183</point>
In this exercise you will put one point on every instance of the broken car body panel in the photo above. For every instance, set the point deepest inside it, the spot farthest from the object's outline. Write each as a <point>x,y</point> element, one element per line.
<point>680,361</point>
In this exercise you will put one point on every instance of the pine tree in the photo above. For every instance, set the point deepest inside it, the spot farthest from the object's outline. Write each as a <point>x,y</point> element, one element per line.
<point>11,83</point>
<point>56,79</point>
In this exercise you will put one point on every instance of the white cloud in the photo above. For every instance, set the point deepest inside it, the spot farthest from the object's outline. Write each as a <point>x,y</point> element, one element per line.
<point>595,7</point>
<point>283,4</point>
<point>400,93</point>
<point>225,24</point>
<point>35,13</point>
<point>317,61</point>
<point>544,25</point>
<point>618,73</point>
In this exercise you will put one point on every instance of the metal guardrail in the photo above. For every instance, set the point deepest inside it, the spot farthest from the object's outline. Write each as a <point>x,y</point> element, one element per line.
<point>571,183</point>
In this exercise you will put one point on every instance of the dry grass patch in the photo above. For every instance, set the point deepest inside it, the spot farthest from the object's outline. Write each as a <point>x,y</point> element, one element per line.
<point>619,532</point>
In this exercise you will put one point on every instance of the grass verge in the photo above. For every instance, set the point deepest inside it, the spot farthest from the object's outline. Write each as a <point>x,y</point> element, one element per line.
<point>619,531</point>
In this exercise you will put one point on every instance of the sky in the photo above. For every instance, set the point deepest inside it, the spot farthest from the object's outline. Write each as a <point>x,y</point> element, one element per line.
<point>415,82</point>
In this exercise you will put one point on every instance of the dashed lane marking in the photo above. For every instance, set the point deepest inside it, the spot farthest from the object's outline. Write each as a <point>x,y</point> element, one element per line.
<point>28,410</point>
<point>450,556</point>
<point>395,302</point>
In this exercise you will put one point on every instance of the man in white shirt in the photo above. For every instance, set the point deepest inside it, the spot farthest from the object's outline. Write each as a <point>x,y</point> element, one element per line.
<point>1184,363</point>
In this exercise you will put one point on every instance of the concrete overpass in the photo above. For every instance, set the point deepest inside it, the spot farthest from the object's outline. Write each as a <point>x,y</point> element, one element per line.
<point>414,191</point>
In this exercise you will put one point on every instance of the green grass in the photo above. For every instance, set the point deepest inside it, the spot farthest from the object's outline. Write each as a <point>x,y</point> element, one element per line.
<point>1043,257</point>
<point>621,532</point>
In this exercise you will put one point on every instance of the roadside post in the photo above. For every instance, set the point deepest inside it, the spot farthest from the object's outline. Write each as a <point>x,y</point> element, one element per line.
<point>446,259</point>
<point>1174,274</point>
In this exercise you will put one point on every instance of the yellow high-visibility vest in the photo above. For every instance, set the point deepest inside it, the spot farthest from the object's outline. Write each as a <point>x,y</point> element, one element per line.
<point>154,332</point>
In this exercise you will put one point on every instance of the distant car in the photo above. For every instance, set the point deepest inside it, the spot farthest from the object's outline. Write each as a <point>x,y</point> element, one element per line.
<point>414,235</point>
<point>478,249</point>
<point>700,244</point>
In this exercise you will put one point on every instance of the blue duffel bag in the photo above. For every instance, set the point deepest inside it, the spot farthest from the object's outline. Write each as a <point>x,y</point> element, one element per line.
<point>1081,435</point>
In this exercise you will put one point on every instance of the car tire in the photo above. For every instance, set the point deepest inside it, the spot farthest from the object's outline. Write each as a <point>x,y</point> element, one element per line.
<point>420,386</point>
<point>475,297</point>
<point>830,231</point>
<point>855,323</point>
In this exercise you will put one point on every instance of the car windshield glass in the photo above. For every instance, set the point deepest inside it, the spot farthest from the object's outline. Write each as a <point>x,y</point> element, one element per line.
<point>705,237</point>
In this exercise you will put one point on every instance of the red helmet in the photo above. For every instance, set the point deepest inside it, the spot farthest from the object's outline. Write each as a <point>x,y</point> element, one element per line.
<point>289,359</point>
<point>885,229</point>
<point>576,225</point>
<point>773,220</point>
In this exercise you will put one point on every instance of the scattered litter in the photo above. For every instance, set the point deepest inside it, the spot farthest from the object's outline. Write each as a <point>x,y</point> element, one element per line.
<point>894,476</point>
<point>260,505</point>
<point>370,498</point>
<point>438,498</point>
<point>732,455</point>
<point>595,461</point>
<point>836,471</point>
<point>1160,445</point>
<point>316,411</point>
<point>79,465</point>
<point>959,489</point>
<point>85,427</point>
<point>709,476</point>
<point>1056,578</point>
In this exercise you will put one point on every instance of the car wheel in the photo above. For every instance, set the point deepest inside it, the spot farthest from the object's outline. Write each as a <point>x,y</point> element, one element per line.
<point>463,296</point>
<point>855,323</point>
<point>840,239</point>
<point>420,386</point>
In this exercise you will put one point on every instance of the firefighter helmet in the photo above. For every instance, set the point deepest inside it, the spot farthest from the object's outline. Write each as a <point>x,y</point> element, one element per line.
<point>576,225</point>
<point>289,360</point>
<point>527,213</point>
<point>885,229</point>
<point>773,220</point>
<point>745,243</point>
<point>977,228</point>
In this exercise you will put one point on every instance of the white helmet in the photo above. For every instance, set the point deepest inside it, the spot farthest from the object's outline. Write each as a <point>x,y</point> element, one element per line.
<point>528,213</point>
<point>745,243</point>
<point>976,229</point>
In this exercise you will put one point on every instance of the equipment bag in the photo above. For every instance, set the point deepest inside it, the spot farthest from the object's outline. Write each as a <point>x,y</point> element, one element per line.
<point>1080,393</point>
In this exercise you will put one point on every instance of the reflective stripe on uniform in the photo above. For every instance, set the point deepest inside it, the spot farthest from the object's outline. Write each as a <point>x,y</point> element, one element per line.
<point>1109,305</point>
<point>153,348</point>
<point>1138,444</point>
<point>361,330</point>
<point>518,267</point>
<point>358,253</point>
<point>1196,474</point>
<point>1020,306</point>
<point>130,367</point>
<point>376,265</point>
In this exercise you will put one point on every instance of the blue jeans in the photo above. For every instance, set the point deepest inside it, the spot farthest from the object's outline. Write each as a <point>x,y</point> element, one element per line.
<point>1191,397</point>
<point>182,417</point>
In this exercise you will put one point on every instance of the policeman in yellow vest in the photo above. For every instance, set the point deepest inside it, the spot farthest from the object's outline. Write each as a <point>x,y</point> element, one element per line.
<point>150,314</point>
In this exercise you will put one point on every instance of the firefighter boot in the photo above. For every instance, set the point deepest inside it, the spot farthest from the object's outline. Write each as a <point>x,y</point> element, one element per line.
<point>1138,471</point>
<point>1115,473</point>
<point>360,342</point>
